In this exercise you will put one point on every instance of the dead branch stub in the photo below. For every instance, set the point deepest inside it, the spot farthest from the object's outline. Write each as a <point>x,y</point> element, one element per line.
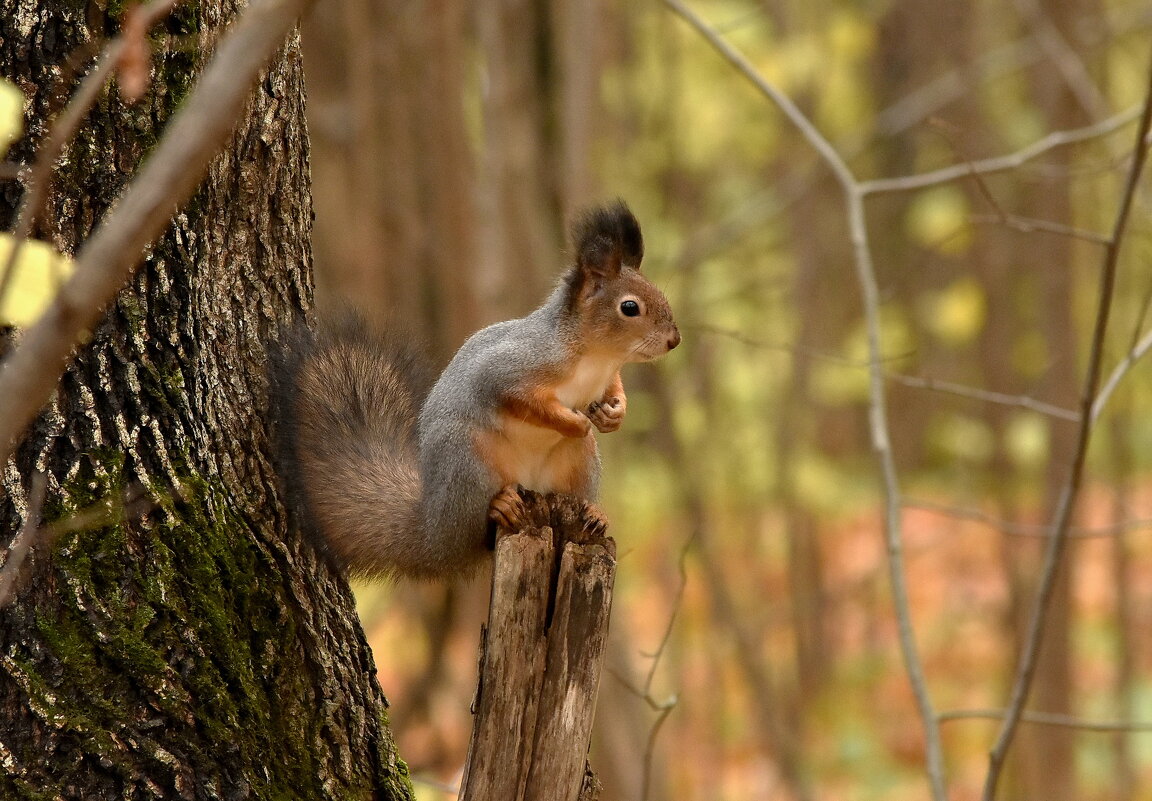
<point>541,656</point>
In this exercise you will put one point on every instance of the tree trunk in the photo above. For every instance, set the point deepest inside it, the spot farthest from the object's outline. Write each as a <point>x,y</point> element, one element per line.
<point>1046,755</point>
<point>395,186</point>
<point>197,649</point>
<point>520,240</point>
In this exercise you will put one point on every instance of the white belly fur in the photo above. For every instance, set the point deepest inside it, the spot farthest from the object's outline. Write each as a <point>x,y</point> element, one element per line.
<point>531,448</point>
<point>529,452</point>
<point>587,381</point>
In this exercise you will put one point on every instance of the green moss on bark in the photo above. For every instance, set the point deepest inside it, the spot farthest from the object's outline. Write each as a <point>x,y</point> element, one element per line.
<point>174,640</point>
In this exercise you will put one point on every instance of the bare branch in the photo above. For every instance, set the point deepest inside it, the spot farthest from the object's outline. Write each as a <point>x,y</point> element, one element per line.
<point>1012,220</point>
<point>987,396</point>
<point>1054,552</point>
<point>664,711</point>
<point>662,708</point>
<point>29,535</point>
<point>926,100</point>
<point>1049,719</point>
<point>1118,373</point>
<point>1030,225</point>
<point>32,533</point>
<point>1011,161</point>
<point>195,134</point>
<point>1025,529</point>
<point>953,84</point>
<point>1067,62</point>
<point>814,353</point>
<point>960,390</point>
<point>817,140</point>
<point>682,567</point>
<point>878,413</point>
<point>855,192</point>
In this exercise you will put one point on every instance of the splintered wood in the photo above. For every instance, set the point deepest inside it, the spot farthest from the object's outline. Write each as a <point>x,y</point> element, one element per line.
<point>541,656</point>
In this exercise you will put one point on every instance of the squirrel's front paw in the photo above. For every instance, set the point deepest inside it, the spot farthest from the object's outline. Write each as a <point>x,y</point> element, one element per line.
<point>507,510</point>
<point>607,415</point>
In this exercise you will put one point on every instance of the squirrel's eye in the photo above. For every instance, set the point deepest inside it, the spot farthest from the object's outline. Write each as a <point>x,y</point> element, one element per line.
<point>630,308</point>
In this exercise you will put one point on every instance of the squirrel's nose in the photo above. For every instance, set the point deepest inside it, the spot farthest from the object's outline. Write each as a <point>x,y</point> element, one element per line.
<point>674,340</point>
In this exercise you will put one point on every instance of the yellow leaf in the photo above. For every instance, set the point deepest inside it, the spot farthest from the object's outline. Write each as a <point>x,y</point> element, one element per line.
<point>956,314</point>
<point>1027,440</point>
<point>11,115</point>
<point>958,436</point>
<point>39,272</point>
<point>851,35</point>
<point>938,219</point>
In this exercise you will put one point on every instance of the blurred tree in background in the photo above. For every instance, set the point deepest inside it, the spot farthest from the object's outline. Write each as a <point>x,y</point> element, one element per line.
<point>757,648</point>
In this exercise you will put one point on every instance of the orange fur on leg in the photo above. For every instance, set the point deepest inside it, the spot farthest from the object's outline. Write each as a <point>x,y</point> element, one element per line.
<point>541,408</point>
<point>572,466</point>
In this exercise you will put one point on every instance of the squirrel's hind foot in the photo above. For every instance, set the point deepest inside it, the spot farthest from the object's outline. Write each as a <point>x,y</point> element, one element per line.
<point>507,510</point>
<point>570,517</point>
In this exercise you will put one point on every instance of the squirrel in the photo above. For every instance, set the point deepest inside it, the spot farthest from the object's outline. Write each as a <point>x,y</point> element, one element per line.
<point>400,480</point>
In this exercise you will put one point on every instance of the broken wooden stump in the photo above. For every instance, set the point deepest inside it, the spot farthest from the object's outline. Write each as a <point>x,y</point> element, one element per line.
<point>541,655</point>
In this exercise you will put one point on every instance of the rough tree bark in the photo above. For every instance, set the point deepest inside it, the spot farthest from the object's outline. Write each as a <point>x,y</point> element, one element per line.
<point>199,649</point>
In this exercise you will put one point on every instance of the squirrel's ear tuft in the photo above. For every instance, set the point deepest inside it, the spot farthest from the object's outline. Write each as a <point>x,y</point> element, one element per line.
<point>607,237</point>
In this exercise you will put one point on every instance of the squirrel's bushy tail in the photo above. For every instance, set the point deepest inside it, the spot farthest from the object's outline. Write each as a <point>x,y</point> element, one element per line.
<point>349,400</point>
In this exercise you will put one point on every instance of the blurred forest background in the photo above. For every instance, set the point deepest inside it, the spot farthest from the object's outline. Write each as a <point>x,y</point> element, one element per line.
<point>755,643</point>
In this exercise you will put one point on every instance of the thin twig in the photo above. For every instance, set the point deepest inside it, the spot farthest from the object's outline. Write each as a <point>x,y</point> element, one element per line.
<point>1024,529</point>
<point>953,84</point>
<point>1030,225</point>
<point>1012,220</point>
<point>935,385</point>
<point>987,396</point>
<point>173,171</point>
<point>1030,649</point>
<point>1118,373</point>
<point>927,99</point>
<point>682,567</point>
<point>1068,63</point>
<point>1010,161</point>
<point>662,708</point>
<point>29,535</point>
<point>1049,719</point>
<point>878,415</point>
<point>650,746</point>
<point>814,353</point>
<point>1145,307</point>
<point>132,504</point>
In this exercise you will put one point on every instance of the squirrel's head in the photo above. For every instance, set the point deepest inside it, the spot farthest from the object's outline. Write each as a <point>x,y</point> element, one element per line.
<point>613,305</point>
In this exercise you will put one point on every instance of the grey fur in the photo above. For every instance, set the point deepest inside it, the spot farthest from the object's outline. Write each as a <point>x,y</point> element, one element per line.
<point>458,486</point>
<point>393,481</point>
<point>351,405</point>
